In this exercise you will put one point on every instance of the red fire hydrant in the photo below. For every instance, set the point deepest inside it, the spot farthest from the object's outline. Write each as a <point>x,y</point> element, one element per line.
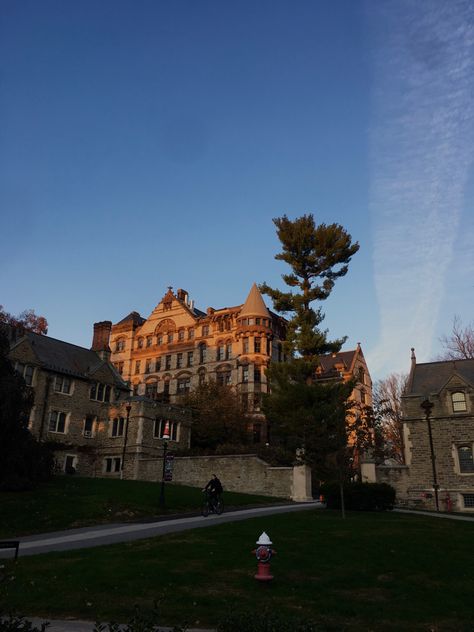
<point>263,554</point>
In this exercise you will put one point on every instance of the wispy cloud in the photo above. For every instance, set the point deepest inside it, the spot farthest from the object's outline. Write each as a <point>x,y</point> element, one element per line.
<point>422,145</point>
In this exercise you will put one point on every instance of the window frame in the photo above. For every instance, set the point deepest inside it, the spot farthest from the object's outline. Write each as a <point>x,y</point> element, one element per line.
<point>458,401</point>
<point>57,421</point>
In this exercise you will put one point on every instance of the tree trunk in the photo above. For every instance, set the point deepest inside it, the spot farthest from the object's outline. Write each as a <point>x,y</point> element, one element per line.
<point>341,491</point>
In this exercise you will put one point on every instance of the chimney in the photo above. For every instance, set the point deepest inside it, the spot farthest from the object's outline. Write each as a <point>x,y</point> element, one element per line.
<point>182,295</point>
<point>100,341</point>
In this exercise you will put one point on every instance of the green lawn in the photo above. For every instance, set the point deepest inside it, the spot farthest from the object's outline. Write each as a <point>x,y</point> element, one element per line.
<point>379,571</point>
<point>69,502</point>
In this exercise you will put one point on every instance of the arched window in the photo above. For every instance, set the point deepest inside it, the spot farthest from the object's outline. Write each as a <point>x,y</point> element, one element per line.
<point>120,345</point>
<point>466,463</point>
<point>151,389</point>
<point>202,353</point>
<point>459,402</point>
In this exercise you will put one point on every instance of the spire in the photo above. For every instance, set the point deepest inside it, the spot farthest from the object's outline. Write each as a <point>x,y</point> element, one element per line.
<point>254,305</point>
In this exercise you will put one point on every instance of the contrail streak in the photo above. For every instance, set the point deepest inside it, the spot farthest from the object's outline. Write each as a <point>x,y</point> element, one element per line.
<point>421,149</point>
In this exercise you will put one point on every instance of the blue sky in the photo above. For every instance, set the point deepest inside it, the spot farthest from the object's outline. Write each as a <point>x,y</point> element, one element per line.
<point>149,143</point>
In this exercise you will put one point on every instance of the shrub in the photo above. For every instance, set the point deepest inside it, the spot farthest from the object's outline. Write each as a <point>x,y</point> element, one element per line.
<point>13,623</point>
<point>360,496</point>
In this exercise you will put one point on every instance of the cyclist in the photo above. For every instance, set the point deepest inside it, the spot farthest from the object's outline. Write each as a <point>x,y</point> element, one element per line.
<point>214,490</point>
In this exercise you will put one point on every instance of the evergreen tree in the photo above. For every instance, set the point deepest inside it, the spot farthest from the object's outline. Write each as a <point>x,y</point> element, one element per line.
<point>23,460</point>
<point>303,412</point>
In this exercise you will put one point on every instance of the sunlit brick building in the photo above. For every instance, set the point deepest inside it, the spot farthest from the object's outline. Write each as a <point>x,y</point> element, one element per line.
<point>178,347</point>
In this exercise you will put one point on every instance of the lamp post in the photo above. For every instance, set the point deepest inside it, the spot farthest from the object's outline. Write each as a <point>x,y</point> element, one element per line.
<point>427,406</point>
<point>165,437</point>
<point>128,408</point>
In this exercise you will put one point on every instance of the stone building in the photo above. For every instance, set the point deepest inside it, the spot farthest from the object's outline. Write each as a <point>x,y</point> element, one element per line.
<point>179,347</point>
<point>82,404</point>
<point>449,387</point>
<point>348,365</point>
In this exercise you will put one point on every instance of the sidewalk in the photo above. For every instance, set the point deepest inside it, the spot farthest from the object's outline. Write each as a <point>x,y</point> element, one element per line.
<point>112,534</point>
<point>435,514</point>
<point>76,625</point>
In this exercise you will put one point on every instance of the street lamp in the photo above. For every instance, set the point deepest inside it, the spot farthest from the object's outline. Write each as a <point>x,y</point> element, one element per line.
<point>128,408</point>
<point>427,406</point>
<point>165,437</point>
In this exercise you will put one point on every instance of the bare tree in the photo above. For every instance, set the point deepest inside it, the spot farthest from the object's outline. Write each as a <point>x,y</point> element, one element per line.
<point>459,345</point>
<point>387,404</point>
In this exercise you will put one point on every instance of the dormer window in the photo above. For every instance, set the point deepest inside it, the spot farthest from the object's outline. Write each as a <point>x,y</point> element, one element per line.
<point>120,345</point>
<point>140,343</point>
<point>459,402</point>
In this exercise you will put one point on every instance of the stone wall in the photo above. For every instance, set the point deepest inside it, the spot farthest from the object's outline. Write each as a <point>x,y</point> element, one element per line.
<point>238,473</point>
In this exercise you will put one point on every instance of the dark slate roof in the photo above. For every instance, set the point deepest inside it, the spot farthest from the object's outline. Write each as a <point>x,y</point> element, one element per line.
<point>329,361</point>
<point>134,317</point>
<point>67,358</point>
<point>432,376</point>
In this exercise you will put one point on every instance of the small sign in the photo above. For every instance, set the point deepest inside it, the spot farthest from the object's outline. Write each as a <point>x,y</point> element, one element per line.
<point>169,467</point>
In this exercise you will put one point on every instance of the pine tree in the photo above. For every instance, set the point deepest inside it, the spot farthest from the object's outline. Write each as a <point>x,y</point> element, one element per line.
<point>303,412</point>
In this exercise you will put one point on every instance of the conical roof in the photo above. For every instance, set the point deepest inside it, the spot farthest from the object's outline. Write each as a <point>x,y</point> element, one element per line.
<point>254,305</point>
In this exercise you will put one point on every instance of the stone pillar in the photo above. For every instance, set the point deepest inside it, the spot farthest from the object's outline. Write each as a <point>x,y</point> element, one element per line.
<point>301,489</point>
<point>367,472</point>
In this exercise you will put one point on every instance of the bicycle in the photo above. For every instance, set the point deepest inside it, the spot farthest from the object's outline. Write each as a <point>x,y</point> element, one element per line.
<point>212,505</point>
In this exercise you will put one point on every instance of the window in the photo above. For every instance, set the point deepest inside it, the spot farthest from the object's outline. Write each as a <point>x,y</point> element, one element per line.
<point>170,338</point>
<point>257,401</point>
<point>202,353</point>
<point>118,425</point>
<point>137,367</point>
<point>26,371</point>
<point>257,376</point>
<point>245,345</point>
<point>149,341</point>
<point>227,324</point>
<point>228,351</point>
<point>62,384</point>
<point>57,422</point>
<point>205,330</point>
<point>468,501</point>
<point>245,374</point>
<point>184,385</point>
<point>257,433</point>
<point>70,463</point>
<point>466,463</point>
<point>363,397</point>
<point>159,340</point>
<point>181,335</point>
<point>166,391</point>
<point>224,378</point>
<point>148,366</point>
<point>190,334</point>
<point>220,352</point>
<point>179,361</point>
<point>459,402</point>
<point>220,325</point>
<point>257,345</point>
<point>251,321</point>
<point>258,321</point>
<point>361,375</point>
<point>159,429</point>
<point>168,362</point>
<point>100,392</point>
<point>151,389</point>
<point>112,464</point>
<point>190,358</point>
<point>88,431</point>
<point>135,388</point>
<point>158,364</point>
<point>140,343</point>
<point>120,345</point>
<point>119,366</point>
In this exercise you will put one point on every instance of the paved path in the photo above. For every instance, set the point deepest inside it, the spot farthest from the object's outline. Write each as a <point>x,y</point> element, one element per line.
<point>432,514</point>
<point>111,534</point>
<point>76,625</point>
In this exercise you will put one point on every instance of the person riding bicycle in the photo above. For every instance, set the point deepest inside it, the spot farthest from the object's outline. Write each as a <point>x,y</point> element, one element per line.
<point>214,490</point>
